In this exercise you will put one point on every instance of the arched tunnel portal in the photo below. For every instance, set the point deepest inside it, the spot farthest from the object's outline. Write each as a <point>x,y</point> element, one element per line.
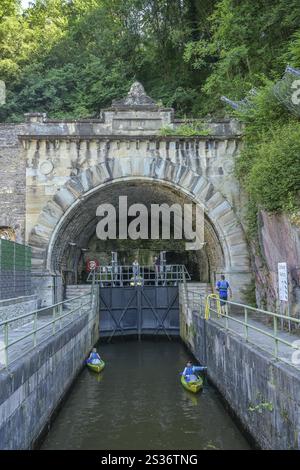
<point>76,239</point>
<point>67,224</point>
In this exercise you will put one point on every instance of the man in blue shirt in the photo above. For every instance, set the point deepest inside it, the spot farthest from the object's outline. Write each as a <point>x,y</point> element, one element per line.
<point>223,287</point>
<point>190,371</point>
<point>94,357</point>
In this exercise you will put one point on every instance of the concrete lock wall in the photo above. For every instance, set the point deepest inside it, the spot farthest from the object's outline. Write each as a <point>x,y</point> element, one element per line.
<point>32,389</point>
<point>263,393</point>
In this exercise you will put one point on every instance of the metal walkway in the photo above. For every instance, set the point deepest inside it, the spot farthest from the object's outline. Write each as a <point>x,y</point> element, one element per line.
<point>129,276</point>
<point>25,333</point>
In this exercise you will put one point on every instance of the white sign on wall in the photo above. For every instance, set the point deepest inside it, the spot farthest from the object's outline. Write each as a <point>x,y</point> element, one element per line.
<point>283,282</point>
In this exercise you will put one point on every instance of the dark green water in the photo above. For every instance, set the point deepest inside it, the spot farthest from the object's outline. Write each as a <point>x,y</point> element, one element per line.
<point>138,402</point>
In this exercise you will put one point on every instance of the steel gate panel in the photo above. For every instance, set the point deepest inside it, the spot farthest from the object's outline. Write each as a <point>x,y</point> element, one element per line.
<point>139,310</point>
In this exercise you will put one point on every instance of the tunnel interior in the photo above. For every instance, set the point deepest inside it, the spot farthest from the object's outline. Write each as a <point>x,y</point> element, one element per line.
<point>77,242</point>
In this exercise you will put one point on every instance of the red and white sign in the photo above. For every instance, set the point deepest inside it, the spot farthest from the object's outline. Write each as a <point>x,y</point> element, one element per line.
<point>92,264</point>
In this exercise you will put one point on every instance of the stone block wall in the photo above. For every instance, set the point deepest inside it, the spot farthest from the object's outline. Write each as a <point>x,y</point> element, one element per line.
<point>12,180</point>
<point>12,308</point>
<point>32,389</point>
<point>263,393</point>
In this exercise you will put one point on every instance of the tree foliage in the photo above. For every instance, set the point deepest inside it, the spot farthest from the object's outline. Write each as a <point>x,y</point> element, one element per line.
<point>70,58</point>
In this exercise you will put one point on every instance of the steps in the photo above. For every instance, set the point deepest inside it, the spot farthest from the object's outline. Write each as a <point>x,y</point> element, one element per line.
<point>77,289</point>
<point>199,287</point>
<point>194,293</point>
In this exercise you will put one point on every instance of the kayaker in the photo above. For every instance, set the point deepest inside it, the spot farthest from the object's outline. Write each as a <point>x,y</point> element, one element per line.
<point>94,357</point>
<point>190,370</point>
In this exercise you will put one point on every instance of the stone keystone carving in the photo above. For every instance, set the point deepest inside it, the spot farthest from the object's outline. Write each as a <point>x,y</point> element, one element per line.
<point>136,97</point>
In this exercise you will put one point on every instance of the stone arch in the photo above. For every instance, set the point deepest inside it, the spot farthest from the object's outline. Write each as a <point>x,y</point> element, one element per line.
<point>60,210</point>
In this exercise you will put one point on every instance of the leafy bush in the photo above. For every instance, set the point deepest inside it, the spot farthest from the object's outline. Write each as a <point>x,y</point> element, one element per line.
<point>274,179</point>
<point>187,129</point>
<point>269,165</point>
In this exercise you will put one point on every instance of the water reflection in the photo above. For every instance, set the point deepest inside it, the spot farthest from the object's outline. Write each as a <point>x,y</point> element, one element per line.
<point>138,402</point>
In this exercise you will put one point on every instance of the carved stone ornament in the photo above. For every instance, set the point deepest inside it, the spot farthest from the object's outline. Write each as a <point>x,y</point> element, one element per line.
<point>136,97</point>
<point>46,167</point>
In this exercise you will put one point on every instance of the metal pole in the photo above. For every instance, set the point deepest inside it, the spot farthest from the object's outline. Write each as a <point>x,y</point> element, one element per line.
<point>6,344</point>
<point>288,312</point>
<point>60,314</point>
<point>275,336</point>
<point>54,320</point>
<point>34,329</point>
<point>139,304</point>
<point>246,323</point>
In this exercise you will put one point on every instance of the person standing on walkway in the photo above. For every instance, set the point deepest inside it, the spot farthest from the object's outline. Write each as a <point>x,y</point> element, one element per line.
<point>223,287</point>
<point>135,270</point>
<point>157,268</point>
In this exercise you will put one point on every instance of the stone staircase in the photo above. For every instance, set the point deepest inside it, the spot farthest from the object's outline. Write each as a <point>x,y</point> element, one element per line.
<point>199,287</point>
<point>74,290</point>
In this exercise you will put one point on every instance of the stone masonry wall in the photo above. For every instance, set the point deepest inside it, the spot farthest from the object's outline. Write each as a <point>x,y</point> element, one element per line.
<point>11,308</point>
<point>31,389</point>
<point>12,179</point>
<point>262,393</point>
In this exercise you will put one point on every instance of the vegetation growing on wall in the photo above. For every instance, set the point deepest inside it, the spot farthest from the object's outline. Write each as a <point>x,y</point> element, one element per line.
<point>186,129</point>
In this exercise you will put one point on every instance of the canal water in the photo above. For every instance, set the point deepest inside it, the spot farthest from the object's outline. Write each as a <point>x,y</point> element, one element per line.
<point>138,402</point>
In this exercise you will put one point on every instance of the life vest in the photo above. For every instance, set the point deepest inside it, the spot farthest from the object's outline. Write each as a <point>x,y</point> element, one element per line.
<point>93,356</point>
<point>189,370</point>
<point>223,287</point>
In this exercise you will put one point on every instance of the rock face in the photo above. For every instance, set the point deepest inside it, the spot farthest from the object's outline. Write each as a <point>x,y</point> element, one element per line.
<point>279,242</point>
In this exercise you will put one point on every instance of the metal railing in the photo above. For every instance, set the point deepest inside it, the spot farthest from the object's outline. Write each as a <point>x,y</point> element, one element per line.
<point>41,324</point>
<point>119,276</point>
<point>271,331</point>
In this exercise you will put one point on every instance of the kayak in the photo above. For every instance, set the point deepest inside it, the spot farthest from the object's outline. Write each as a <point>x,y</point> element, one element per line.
<point>96,367</point>
<point>194,386</point>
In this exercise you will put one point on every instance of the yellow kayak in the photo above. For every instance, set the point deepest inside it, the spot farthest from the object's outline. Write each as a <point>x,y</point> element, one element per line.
<point>96,367</point>
<point>193,386</point>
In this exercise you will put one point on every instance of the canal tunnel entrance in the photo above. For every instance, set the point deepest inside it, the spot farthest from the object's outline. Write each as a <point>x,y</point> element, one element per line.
<point>77,241</point>
<point>65,238</point>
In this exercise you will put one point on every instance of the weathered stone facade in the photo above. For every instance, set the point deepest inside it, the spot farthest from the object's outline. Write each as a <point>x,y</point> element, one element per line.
<point>11,308</point>
<point>71,165</point>
<point>12,180</point>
